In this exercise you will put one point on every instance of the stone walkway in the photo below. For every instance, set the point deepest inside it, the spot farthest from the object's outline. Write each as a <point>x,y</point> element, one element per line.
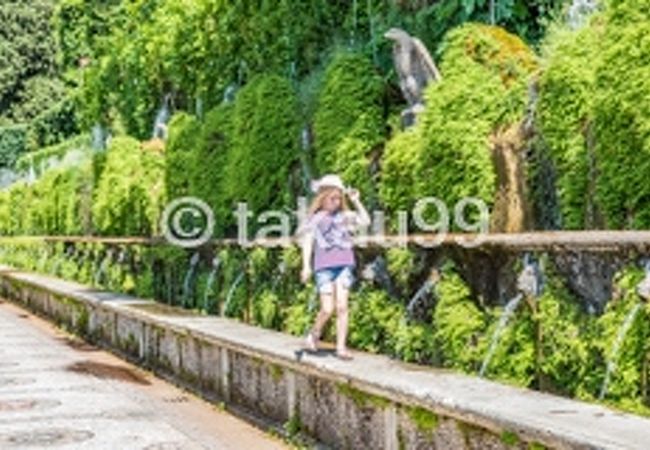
<point>58,392</point>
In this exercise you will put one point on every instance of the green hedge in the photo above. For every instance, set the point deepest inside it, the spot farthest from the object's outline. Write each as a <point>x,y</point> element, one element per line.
<point>210,160</point>
<point>621,116</point>
<point>349,123</point>
<point>241,152</point>
<point>196,155</point>
<point>57,203</point>
<point>130,194</point>
<point>180,150</point>
<point>563,116</point>
<point>592,122</point>
<point>262,160</point>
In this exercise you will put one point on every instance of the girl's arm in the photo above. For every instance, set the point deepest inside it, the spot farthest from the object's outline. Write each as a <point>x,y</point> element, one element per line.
<point>363,218</point>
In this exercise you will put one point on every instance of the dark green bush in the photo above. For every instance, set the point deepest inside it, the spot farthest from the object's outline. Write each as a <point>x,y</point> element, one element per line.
<point>81,24</point>
<point>209,163</point>
<point>349,123</point>
<point>54,125</point>
<point>13,143</point>
<point>28,48</point>
<point>265,145</point>
<point>196,154</point>
<point>180,150</point>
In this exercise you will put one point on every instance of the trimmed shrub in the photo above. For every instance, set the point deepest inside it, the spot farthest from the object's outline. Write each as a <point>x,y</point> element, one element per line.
<point>349,123</point>
<point>563,119</point>
<point>184,133</point>
<point>130,194</point>
<point>592,121</point>
<point>61,201</point>
<point>210,159</point>
<point>266,132</point>
<point>196,155</point>
<point>622,115</point>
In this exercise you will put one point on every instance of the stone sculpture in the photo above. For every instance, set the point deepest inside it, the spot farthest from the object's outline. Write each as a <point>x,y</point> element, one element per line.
<point>415,68</point>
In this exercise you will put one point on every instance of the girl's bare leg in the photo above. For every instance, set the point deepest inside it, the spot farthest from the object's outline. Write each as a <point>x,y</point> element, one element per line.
<point>342,294</point>
<point>326,310</point>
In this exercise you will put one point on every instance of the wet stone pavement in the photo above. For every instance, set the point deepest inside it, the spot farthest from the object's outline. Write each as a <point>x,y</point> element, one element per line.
<point>61,393</point>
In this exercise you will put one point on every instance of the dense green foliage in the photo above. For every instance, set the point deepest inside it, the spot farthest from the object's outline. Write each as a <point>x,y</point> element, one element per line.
<point>32,90</point>
<point>241,152</point>
<point>57,204</point>
<point>130,194</point>
<point>265,145</point>
<point>184,132</point>
<point>140,50</point>
<point>563,114</point>
<point>591,121</point>
<point>28,52</point>
<point>349,123</point>
<point>210,159</point>
<point>80,27</point>
<point>621,118</point>
<point>66,151</point>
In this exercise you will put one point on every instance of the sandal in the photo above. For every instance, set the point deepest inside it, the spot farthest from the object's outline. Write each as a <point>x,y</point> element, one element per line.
<point>345,355</point>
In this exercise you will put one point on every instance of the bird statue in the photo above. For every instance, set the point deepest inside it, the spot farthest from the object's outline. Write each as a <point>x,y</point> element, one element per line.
<point>415,68</point>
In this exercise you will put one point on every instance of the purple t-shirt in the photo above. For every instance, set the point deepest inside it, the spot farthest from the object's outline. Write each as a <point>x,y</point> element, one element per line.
<point>332,239</point>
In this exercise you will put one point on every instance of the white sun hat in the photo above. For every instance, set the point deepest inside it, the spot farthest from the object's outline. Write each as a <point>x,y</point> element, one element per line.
<point>329,180</point>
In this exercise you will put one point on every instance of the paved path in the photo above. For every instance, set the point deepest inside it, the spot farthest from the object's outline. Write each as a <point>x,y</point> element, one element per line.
<point>57,392</point>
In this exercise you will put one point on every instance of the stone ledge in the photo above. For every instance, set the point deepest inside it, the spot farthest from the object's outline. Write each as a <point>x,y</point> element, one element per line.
<point>371,402</point>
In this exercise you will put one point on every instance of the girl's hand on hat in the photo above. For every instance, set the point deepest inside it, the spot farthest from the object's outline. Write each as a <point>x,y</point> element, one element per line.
<point>353,194</point>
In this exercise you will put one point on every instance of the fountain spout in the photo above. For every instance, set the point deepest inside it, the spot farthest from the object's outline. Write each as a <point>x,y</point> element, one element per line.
<point>426,288</point>
<point>529,282</point>
<point>643,288</point>
<point>529,286</point>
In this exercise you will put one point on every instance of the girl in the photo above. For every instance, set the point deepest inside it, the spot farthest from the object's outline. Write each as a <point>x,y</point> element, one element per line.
<point>327,232</point>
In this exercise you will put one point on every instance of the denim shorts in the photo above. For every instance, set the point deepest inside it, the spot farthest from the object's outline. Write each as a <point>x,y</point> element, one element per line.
<point>325,278</point>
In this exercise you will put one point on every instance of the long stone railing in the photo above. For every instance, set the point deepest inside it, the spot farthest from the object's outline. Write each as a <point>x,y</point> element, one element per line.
<point>370,402</point>
<point>546,241</point>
